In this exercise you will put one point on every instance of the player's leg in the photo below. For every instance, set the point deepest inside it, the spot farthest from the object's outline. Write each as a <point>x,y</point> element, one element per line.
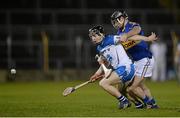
<point>127,76</point>
<point>144,70</point>
<point>152,102</point>
<point>134,88</point>
<point>131,96</point>
<point>146,89</point>
<point>108,85</point>
<point>135,99</point>
<point>138,91</point>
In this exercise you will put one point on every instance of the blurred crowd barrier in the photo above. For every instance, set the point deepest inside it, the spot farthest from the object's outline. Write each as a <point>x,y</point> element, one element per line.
<point>21,39</point>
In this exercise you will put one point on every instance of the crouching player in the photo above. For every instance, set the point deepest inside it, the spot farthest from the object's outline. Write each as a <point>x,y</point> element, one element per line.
<point>123,68</point>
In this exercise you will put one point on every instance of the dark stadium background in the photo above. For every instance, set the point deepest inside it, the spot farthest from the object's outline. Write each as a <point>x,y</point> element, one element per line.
<point>47,43</point>
<point>66,24</point>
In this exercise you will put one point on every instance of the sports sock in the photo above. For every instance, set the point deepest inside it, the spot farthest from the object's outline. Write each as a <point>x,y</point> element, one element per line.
<point>153,101</point>
<point>122,98</point>
<point>146,100</point>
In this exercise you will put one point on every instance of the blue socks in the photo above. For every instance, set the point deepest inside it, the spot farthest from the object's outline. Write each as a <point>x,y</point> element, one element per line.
<point>146,100</point>
<point>153,101</point>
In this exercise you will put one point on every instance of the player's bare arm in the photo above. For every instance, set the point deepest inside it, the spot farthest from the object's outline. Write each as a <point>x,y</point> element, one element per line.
<point>136,30</point>
<point>151,37</point>
<point>97,74</point>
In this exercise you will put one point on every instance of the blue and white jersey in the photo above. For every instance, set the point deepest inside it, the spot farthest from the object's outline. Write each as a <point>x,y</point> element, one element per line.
<point>136,49</point>
<point>114,54</point>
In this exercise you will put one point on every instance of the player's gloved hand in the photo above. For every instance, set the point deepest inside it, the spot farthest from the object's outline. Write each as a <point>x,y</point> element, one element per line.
<point>95,77</point>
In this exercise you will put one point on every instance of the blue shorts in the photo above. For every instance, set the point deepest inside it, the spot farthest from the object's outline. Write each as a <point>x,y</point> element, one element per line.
<point>126,73</point>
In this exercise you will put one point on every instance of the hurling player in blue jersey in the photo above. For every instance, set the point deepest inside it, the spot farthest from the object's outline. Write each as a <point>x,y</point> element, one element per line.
<point>113,52</point>
<point>137,50</point>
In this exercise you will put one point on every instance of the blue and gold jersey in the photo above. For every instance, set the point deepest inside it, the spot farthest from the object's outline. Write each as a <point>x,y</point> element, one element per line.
<point>136,49</point>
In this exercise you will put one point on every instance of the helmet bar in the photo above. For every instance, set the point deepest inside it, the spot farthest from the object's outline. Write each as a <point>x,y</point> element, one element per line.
<point>118,14</point>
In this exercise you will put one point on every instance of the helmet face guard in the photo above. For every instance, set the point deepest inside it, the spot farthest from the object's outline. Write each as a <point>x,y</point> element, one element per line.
<point>115,18</point>
<point>96,30</point>
<point>93,32</point>
<point>114,23</point>
<point>118,14</point>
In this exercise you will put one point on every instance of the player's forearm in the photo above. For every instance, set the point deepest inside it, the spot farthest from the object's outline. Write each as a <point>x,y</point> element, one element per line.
<point>138,37</point>
<point>99,71</point>
<point>136,30</point>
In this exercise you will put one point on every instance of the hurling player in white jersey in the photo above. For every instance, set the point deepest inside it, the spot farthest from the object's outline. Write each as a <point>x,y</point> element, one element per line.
<point>123,68</point>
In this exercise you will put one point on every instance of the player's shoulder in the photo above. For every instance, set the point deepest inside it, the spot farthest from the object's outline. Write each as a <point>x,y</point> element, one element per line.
<point>112,37</point>
<point>109,37</point>
<point>108,40</point>
<point>133,23</point>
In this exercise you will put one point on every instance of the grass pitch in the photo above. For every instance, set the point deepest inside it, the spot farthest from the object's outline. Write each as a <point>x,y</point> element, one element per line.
<point>45,99</point>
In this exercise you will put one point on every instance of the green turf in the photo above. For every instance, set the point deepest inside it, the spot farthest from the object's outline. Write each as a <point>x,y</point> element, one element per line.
<point>45,99</point>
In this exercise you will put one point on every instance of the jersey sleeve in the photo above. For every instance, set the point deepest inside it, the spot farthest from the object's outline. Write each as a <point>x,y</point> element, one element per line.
<point>133,24</point>
<point>119,31</point>
<point>98,49</point>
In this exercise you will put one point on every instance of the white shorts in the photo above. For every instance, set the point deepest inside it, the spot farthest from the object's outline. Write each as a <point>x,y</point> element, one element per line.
<point>144,67</point>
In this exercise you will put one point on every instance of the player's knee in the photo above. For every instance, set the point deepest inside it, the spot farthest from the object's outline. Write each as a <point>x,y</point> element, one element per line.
<point>130,89</point>
<point>103,83</point>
